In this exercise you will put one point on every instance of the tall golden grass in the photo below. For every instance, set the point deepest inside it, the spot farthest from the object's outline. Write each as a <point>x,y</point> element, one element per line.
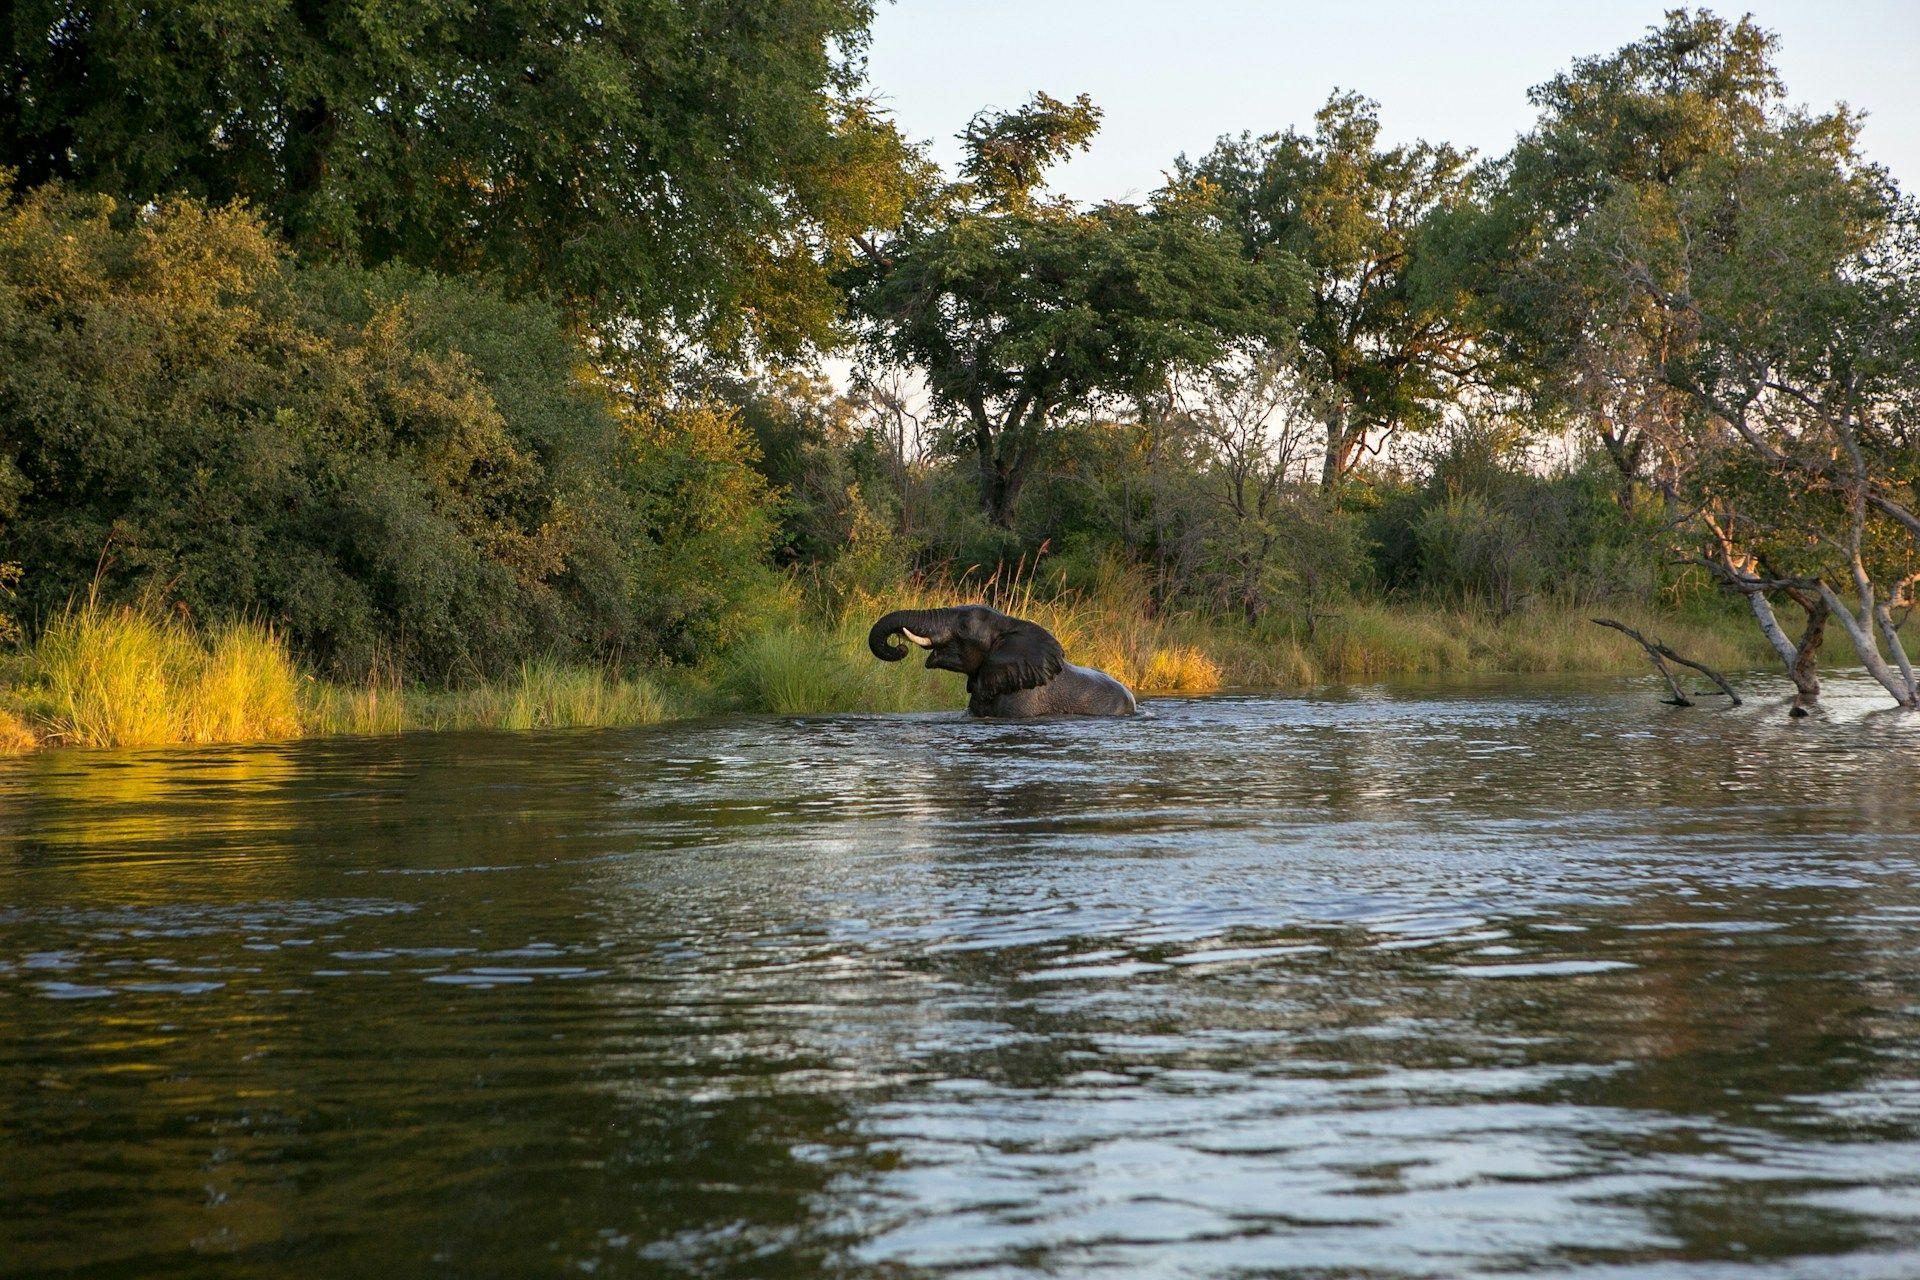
<point>102,676</point>
<point>126,677</point>
<point>1113,627</point>
<point>16,736</point>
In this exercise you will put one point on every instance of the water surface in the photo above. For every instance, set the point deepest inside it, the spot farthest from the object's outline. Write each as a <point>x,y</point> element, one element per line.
<point>1541,979</point>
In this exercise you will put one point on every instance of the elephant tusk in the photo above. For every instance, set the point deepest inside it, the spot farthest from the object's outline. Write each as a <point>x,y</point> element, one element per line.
<point>922,641</point>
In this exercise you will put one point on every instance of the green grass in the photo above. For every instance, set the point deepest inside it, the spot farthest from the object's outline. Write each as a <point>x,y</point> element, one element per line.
<point>541,694</point>
<point>825,667</point>
<point>118,677</point>
<point>1365,641</point>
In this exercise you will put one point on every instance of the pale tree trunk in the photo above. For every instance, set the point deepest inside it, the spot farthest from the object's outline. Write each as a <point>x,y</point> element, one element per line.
<point>1798,657</point>
<point>1891,634</point>
<point>1860,629</point>
<point>1738,571</point>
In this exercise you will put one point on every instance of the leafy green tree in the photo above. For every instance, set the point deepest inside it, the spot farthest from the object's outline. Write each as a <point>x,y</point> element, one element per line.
<point>1805,370</point>
<point>690,165</point>
<point>1019,310</point>
<point>1734,273</point>
<point>1613,129</point>
<point>1385,333</point>
<point>707,519</point>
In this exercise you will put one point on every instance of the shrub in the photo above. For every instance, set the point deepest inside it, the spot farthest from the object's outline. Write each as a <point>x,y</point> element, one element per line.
<point>395,470</point>
<point>708,519</point>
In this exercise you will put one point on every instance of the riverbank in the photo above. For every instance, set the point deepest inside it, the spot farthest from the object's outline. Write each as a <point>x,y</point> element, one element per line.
<point>107,677</point>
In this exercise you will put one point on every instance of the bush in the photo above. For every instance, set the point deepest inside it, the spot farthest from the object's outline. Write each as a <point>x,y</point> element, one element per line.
<point>397,471</point>
<point>708,520</point>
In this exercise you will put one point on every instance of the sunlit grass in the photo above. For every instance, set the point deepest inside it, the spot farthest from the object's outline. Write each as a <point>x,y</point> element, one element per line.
<point>246,689</point>
<point>103,676</point>
<point>124,677</point>
<point>113,677</point>
<point>540,694</point>
<point>16,736</point>
<point>544,694</point>
<point>371,708</point>
<point>110,677</point>
<point>1112,627</point>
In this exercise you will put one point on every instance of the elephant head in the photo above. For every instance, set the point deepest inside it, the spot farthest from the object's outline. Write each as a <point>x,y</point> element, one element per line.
<point>997,654</point>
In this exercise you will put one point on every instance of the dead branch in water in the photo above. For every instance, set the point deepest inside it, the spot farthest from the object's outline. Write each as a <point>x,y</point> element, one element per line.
<point>1660,654</point>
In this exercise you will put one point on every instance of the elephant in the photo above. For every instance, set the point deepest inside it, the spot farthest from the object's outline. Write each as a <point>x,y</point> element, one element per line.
<point>1014,668</point>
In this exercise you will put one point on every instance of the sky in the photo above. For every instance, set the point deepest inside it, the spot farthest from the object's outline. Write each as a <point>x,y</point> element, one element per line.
<point>1173,75</point>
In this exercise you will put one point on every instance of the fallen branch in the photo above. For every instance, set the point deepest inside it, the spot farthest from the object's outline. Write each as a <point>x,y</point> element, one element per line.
<point>1660,654</point>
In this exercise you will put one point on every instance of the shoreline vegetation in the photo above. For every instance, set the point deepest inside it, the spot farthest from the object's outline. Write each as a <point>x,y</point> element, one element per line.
<point>380,426</point>
<point>105,676</point>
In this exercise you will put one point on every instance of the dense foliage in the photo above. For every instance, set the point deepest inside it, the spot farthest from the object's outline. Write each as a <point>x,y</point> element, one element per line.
<point>1384,332</point>
<point>395,469</point>
<point>687,163</point>
<point>495,360</point>
<point>1019,311</point>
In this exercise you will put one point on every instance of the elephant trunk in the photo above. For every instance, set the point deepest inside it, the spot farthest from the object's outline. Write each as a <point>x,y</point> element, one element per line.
<point>924,627</point>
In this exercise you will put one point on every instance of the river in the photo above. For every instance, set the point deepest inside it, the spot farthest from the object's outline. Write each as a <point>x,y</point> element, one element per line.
<point>1535,978</point>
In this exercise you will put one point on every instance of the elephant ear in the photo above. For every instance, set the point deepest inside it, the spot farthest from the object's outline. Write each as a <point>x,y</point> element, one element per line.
<point>1025,657</point>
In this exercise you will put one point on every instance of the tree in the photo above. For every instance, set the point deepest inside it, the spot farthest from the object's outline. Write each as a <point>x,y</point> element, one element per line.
<point>1255,426</point>
<point>1017,309</point>
<point>1387,337</point>
<point>1738,269</point>
<point>1638,120</point>
<point>1805,367</point>
<point>686,165</point>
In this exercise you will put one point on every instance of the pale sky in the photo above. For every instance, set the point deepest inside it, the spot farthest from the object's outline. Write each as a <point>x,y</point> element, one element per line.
<point>1173,76</point>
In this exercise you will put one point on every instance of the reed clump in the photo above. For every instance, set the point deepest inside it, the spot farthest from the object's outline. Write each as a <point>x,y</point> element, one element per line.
<point>16,736</point>
<point>540,694</point>
<point>102,676</point>
<point>544,694</point>
<point>823,667</point>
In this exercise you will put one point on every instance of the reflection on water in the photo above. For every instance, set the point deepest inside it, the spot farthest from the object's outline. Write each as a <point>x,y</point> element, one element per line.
<point>1413,982</point>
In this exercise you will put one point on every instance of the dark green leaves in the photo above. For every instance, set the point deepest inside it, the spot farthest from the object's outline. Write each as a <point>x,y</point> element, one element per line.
<point>654,165</point>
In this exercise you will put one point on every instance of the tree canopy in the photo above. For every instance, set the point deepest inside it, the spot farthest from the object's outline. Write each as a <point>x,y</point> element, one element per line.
<point>1018,310</point>
<point>1383,333</point>
<point>325,313</point>
<point>683,167</point>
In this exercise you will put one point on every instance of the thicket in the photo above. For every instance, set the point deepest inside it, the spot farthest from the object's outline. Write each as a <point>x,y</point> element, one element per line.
<point>396,470</point>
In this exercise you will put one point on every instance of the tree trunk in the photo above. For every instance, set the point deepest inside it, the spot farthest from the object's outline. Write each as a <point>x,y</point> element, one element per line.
<point>312,128</point>
<point>1802,670</point>
<point>1005,456</point>
<point>999,489</point>
<point>1860,630</point>
<point>1891,634</point>
<point>1798,657</point>
<point>1333,468</point>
